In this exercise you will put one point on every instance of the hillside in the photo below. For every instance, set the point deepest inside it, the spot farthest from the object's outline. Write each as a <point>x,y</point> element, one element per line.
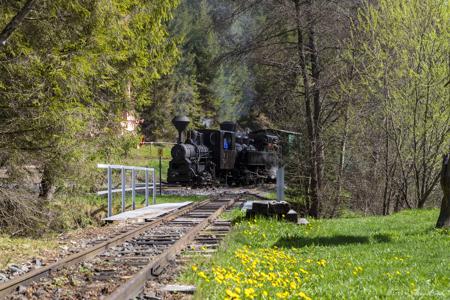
<point>400,256</point>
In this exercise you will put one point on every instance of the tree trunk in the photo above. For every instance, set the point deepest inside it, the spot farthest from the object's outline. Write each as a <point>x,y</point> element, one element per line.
<point>337,202</point>
<point>444,216</point>
<point>312,107</point>
<point>47,188</point>
<point>319,155</point>
<point>386,192</point>
<point>313,209</point>
<point>15,22</point>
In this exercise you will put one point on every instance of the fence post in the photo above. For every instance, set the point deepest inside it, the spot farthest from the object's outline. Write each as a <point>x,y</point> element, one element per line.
<point>160,175</point>
<point>109,192</point>
<point>133,188</point>
<point>280,183</point>
<point>146,187</point>
<point>123,188</point>
<point>154,186</point>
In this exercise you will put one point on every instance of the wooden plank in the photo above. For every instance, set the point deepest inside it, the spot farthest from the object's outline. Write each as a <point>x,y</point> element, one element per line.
<point>175,288</point>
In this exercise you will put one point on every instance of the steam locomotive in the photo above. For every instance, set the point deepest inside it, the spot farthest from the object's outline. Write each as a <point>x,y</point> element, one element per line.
<point>227,156</point>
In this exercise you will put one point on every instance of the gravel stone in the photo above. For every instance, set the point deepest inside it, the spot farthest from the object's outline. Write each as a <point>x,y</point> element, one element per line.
<point>15,269</point>
<point>21,289</point>
<point>37,262</point>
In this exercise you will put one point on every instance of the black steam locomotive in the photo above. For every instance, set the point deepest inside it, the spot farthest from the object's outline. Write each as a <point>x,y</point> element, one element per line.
<point>227,156</point>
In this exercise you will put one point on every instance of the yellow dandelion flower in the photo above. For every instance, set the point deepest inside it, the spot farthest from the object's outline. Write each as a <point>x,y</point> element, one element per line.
<point>282,295</point>
<point>202,274</point>
<point>194,268</point>
<point>322,262</point>
<point>304,296</point>
<point>232,294</point>
<point>249,293</point>
<point>293,285</point>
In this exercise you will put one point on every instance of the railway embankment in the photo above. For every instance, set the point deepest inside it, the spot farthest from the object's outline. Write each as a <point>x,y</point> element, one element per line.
<point>21,255</point>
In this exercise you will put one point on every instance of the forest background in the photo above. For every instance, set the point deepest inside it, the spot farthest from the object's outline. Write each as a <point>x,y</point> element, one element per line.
<point>365,83</point>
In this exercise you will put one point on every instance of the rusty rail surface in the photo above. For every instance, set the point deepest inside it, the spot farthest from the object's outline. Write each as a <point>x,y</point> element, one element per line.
<point>133,287</point>
<point>11,286</point>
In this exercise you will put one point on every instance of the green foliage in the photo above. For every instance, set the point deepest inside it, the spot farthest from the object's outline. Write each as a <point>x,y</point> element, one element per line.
<point>202,86</point>
<point>400,256</point>
<point>402,67</point>
<point>69,73</point>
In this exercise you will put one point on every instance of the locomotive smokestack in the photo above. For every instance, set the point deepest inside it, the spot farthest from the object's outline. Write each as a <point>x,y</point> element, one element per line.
<point>180,123</point>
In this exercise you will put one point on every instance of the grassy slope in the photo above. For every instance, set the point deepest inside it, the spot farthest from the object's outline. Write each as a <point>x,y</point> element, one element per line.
<point>147,156</point>
<point>399,256</point>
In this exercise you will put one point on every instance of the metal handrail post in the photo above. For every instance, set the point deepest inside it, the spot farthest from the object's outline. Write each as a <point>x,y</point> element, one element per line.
<point>133,186</point>
<point>146,187</point>
<point>109,192</point>
<point>280,183</point>
<point>154,186</point>
<point>160,175</point>
<point>123,188</point>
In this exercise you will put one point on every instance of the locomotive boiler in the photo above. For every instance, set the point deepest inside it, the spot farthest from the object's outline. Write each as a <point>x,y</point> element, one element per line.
<point>225,155</point>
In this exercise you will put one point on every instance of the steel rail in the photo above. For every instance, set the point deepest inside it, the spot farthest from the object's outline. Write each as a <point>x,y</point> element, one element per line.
<point>131,288</point>
<point>9,286</point>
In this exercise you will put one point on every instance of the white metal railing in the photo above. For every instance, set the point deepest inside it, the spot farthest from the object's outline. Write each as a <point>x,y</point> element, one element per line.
<point>134,187</point>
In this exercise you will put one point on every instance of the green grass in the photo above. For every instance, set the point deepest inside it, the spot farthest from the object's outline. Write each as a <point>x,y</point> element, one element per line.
<point>396,257</point>
<point>147,156</point>
<point>16,250</point>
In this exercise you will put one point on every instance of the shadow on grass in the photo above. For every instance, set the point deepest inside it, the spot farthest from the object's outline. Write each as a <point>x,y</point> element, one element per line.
<point>336,240</point>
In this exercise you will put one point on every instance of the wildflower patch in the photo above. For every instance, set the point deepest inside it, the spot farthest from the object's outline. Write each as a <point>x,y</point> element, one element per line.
<point>264,273</point>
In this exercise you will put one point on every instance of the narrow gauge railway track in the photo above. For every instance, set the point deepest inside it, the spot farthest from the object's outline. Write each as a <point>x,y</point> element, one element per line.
<point>205,244</point>
<point>119,267</point>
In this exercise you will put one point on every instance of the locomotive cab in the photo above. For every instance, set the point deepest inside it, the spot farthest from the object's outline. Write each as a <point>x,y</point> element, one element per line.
<point>222,145</point>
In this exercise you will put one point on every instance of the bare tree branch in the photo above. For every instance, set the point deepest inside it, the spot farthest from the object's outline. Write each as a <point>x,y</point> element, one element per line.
<point>15,22</point>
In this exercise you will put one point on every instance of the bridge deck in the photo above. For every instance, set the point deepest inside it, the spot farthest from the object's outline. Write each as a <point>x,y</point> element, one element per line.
<point>149,212</point>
